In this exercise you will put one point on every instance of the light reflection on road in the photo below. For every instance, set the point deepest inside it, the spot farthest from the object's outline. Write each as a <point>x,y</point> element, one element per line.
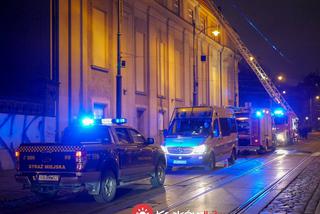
<point>184,183</point>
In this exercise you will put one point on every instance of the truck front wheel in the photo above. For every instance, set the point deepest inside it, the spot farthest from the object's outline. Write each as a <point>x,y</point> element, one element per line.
<point>108,188</point>
<point>159,175</point>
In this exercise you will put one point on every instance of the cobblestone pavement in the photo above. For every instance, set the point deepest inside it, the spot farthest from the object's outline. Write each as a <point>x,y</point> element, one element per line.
<point>301,195</point>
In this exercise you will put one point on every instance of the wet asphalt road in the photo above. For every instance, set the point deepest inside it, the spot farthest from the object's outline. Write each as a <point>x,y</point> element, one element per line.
<point>246,186</point>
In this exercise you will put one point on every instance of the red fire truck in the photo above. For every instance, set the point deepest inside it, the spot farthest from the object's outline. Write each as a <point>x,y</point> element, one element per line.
<point>254,129</point>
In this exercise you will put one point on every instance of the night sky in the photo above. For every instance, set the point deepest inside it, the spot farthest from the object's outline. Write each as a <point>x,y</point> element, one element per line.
<point>293,26</point>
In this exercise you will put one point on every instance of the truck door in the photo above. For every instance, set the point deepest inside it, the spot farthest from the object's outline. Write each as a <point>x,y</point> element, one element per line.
<point>126,151</point>
<point>144,157</point>
<point>255,132</point>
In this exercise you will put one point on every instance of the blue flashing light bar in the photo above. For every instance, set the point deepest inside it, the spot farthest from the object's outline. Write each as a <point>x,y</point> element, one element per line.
<point>119,120</point>
<point>106,121</point>
<point>87,121</point>
<point>259,114</point>
<point>278,112</point>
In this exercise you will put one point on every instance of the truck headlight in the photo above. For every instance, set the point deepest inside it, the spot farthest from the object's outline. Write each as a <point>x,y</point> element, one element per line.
<point>280,137</point>
<point>164,149</point>
<point>199,149</point>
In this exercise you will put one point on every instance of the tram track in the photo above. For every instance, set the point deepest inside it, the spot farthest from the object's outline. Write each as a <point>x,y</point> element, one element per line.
<point>219,183</point>
<point>211,181</point>
<point>242,208</point>
<point>147,197</point>
<point>149,194</point>
<point>263,193</point>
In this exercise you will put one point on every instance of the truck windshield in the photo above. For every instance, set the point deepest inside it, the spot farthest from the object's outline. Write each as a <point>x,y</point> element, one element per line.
<point>243,126</point>
<point>281,120</point>
<point>190,126</point>
<point>85,135</point>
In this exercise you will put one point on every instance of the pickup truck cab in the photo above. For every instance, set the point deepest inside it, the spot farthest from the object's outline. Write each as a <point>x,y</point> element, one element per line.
<point>94,157</point>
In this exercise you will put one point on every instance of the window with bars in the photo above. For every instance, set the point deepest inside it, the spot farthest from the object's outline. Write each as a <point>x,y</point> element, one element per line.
<point>99,110</point>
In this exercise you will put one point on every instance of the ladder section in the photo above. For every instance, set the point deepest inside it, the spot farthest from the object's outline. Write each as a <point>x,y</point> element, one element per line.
<point>252,62</point>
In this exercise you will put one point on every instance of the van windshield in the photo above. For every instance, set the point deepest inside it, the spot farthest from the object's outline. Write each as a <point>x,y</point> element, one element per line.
<point>190,126</point>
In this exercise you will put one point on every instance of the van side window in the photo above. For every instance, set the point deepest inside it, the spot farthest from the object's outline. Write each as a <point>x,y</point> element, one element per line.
<point>225,128</point>
<point>216,131</point>
<point>232,125</point>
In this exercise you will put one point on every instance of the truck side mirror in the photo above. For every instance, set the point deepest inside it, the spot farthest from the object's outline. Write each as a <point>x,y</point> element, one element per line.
<point>215,133</point>
<point>165,132</point>
<point>150,141</point>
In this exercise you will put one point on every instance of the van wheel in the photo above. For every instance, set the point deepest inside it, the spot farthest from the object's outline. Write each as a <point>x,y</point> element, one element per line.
<point>108,188</point>
<point>233,157</point>
<point>212,162</point>
<point>159,175</point>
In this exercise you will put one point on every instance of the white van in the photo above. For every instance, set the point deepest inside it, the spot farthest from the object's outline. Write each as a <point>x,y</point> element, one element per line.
<point>200,136</point>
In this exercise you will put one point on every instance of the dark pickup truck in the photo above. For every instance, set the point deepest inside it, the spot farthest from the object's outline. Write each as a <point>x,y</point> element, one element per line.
<point>96,158</point>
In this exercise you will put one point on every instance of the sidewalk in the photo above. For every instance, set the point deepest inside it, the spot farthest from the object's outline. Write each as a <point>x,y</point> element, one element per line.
<point>11,192</point>
<point>302,195</point>
<point>9,188</point>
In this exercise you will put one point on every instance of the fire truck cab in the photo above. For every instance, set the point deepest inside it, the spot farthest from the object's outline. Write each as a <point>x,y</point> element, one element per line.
<point>254,129</point>
<point>285,127</point>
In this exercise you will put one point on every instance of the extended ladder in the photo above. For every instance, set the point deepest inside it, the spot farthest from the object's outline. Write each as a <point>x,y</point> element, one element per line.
<point>253,63</point>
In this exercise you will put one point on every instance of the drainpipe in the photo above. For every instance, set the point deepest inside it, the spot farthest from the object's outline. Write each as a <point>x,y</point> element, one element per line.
<point>235,81</point>
<point>81,106</point>
<point>69,66</point>
<point>221,75</point>
<point>55,63</point>
<point>195,78</point>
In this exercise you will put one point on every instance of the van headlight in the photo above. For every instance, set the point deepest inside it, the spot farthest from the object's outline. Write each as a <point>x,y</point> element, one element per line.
<point>164,149</point>
<point>199,149</point>
<point>281,137</point>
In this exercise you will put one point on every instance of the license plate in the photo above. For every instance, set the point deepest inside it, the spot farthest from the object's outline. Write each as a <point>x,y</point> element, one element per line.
<point>48,177</point>
<point>179,161</point>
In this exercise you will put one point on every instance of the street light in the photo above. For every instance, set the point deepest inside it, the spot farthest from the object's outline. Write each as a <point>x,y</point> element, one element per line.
<point>284,92</point>
<point>317,97</point>
<point>280,78</point>
<point>216,33</point>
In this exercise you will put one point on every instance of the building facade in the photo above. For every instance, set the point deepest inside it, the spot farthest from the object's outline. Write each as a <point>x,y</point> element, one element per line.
<point>158,48</point>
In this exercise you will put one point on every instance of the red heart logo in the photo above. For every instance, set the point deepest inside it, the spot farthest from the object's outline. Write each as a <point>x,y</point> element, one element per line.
<point>142,209</point>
